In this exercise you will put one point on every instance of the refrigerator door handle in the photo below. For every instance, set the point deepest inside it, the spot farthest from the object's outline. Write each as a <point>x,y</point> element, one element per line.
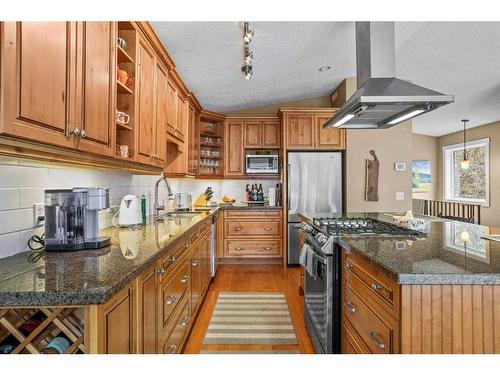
<point>288,185</point>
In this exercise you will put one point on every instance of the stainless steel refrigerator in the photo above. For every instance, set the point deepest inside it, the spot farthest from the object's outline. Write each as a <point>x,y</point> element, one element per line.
<point>314,186</point>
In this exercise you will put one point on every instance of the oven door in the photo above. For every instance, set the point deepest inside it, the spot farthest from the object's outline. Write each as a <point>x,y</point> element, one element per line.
<point>318,303</point>
<point>262,163</point>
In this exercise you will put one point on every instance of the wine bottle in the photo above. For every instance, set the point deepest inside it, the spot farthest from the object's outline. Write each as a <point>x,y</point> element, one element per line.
<point>260,193</point>
<point>58,345</point>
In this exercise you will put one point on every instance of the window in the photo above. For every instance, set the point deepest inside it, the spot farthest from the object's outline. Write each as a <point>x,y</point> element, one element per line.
<point>467,185</point>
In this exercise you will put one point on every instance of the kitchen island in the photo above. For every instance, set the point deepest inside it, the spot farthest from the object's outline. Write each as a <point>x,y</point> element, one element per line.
<point>139,295</point>
<point>438,293</point>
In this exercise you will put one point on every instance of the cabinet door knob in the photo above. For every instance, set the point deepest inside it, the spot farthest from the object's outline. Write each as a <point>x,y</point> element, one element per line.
<point>195,262</point>
<point>185,321</point>
<point>161,271</point>
<point>173,349</point>
<point>185,279</point>
<point>83,134</point>
<point>350,307</point>
<point>379,344</point>
<point>170,300</point>
<point>75,131</point>
<point>348,265</point>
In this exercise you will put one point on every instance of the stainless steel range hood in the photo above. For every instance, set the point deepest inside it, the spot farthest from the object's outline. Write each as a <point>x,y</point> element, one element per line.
<point>381,100</point>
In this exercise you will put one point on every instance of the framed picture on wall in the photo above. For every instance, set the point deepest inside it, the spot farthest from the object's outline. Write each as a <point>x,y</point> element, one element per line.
<point>421,176</point>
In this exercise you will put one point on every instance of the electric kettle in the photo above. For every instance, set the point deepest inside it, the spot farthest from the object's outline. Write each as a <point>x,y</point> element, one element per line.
<point>129,214</point>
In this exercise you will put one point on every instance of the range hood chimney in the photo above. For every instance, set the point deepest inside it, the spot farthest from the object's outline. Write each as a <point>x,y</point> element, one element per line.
<point>381,100</point>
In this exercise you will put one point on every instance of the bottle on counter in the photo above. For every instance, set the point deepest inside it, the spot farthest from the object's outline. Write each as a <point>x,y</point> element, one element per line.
<point>143,209</point>
<point>58,345</point>
<point>254,192</point>
<point>247,193</point>
<point>260,193</point>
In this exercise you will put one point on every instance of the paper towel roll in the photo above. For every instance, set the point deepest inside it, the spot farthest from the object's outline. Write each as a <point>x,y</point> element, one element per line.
<point>272,196</point>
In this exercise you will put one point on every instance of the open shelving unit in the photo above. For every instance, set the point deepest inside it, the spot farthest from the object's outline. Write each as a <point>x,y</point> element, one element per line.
<point>211,152</point>
<point>125,92</point>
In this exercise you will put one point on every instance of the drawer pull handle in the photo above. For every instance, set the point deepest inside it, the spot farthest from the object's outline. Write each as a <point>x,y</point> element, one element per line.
<point>161,271</point>
<point>379,344</point>
<point>350,307</point>
<point>348,265</point>
<point>185,321</point>
<point>267,229</point>
<point>186,246</point>
<point>170,300</point>
<point>268,248</point>
<point>376,286</point>
<point>173,349</point>
<point>238,228</point>
<point>171,260</point>
<point>195,262</point>
<point>239,248</point>
<point>185,279</point>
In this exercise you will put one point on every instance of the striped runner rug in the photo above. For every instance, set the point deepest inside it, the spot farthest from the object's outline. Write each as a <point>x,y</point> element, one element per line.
<point>251,318</point>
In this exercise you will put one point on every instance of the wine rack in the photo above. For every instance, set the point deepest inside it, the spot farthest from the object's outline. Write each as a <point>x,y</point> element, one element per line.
<point>54,321</point>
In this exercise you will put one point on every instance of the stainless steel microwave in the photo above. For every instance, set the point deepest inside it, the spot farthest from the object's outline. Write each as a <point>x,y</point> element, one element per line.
<point>261,162</point>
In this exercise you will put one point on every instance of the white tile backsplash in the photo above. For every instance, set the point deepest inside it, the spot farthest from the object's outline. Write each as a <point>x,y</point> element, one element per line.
<point>22,184</point>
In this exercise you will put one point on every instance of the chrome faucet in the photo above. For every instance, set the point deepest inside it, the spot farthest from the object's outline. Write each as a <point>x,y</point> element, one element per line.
<point>157,206</point>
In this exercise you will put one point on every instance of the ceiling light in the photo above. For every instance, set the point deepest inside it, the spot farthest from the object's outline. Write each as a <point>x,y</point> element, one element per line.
<point>248,34</point>
<point>247,70</point>
<point>465,162</point>
<point>342,120</point>
<point>406,116</point>
<point>324,68</point>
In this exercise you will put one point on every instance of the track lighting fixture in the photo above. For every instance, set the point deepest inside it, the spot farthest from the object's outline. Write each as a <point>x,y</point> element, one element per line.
<point>248,55</point>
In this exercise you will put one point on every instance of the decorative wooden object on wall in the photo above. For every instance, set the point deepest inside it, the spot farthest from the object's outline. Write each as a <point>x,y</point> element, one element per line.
<point>371,179</point>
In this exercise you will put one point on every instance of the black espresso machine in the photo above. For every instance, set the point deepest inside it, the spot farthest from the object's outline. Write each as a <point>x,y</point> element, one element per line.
<point>72,218</point>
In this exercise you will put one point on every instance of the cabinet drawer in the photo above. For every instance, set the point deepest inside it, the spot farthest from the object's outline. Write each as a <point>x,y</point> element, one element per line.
<point>350,341</point>
<point>253,228</point>
<point>252,213</point>
<point>252,248</point>
<point>172,291</point>
<point>375,333</point>
<point>173,343</point>
<point>169,262</point>
<point>199,232</point>
<point>379,287</point>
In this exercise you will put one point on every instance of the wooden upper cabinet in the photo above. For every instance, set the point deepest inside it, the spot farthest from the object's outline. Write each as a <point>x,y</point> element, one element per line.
<point>234,163</point>
<point>172,107</point>
<point>300,130</point>
<point>160,137</point>
<point>39,63</point>
<point>146,95</point>
<point>270,134</point>
<point>181,117</point>
<point>253,134</point>
<point>328,138</point>
<point>95,97</point>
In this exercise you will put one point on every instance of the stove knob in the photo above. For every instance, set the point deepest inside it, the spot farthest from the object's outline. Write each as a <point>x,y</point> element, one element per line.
<point>321,238</point>
<point>307,228</point>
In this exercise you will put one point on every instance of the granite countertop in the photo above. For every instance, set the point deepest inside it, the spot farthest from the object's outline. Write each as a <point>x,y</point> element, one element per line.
<point>90,276</point>
<point>451,253</point>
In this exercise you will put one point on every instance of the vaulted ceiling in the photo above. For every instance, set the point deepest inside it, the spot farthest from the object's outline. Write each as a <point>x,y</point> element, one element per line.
<point>459,58</point>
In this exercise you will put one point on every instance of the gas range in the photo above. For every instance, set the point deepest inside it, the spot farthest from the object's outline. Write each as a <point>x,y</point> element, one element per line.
<point>322,231</point>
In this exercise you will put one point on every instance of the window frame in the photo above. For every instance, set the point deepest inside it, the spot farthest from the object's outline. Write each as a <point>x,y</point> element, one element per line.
<point>448,171</point>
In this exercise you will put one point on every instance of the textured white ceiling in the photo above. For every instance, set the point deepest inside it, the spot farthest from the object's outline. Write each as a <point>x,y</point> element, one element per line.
<point>459,58</point>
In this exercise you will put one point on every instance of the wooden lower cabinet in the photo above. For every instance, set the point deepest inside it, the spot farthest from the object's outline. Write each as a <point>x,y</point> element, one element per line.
<point>351,343</point>
<point>155,312</point>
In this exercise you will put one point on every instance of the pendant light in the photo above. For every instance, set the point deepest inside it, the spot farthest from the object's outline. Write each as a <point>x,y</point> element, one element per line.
<point>465,162</point>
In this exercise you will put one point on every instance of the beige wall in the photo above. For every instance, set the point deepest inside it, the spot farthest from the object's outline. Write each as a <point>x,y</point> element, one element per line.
<point>489,215</point>
<point>425,147</point>
<point>391,145</point>
<point>272,109</point>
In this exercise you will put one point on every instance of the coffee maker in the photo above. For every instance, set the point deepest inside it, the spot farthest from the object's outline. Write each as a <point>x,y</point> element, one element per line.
<point>72,218</point>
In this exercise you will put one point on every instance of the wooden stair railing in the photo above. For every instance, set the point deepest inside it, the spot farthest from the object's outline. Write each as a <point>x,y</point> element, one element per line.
<point>447,209</point>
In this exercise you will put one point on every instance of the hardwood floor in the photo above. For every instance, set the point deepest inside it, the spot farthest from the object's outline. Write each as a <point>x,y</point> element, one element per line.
<point>252,278</point>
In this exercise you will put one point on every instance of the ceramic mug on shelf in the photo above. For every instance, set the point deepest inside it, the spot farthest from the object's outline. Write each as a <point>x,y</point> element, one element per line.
<point>122,117</point>
<point>123,151</point>
<point>121,42</point>
<point>122,76</point>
